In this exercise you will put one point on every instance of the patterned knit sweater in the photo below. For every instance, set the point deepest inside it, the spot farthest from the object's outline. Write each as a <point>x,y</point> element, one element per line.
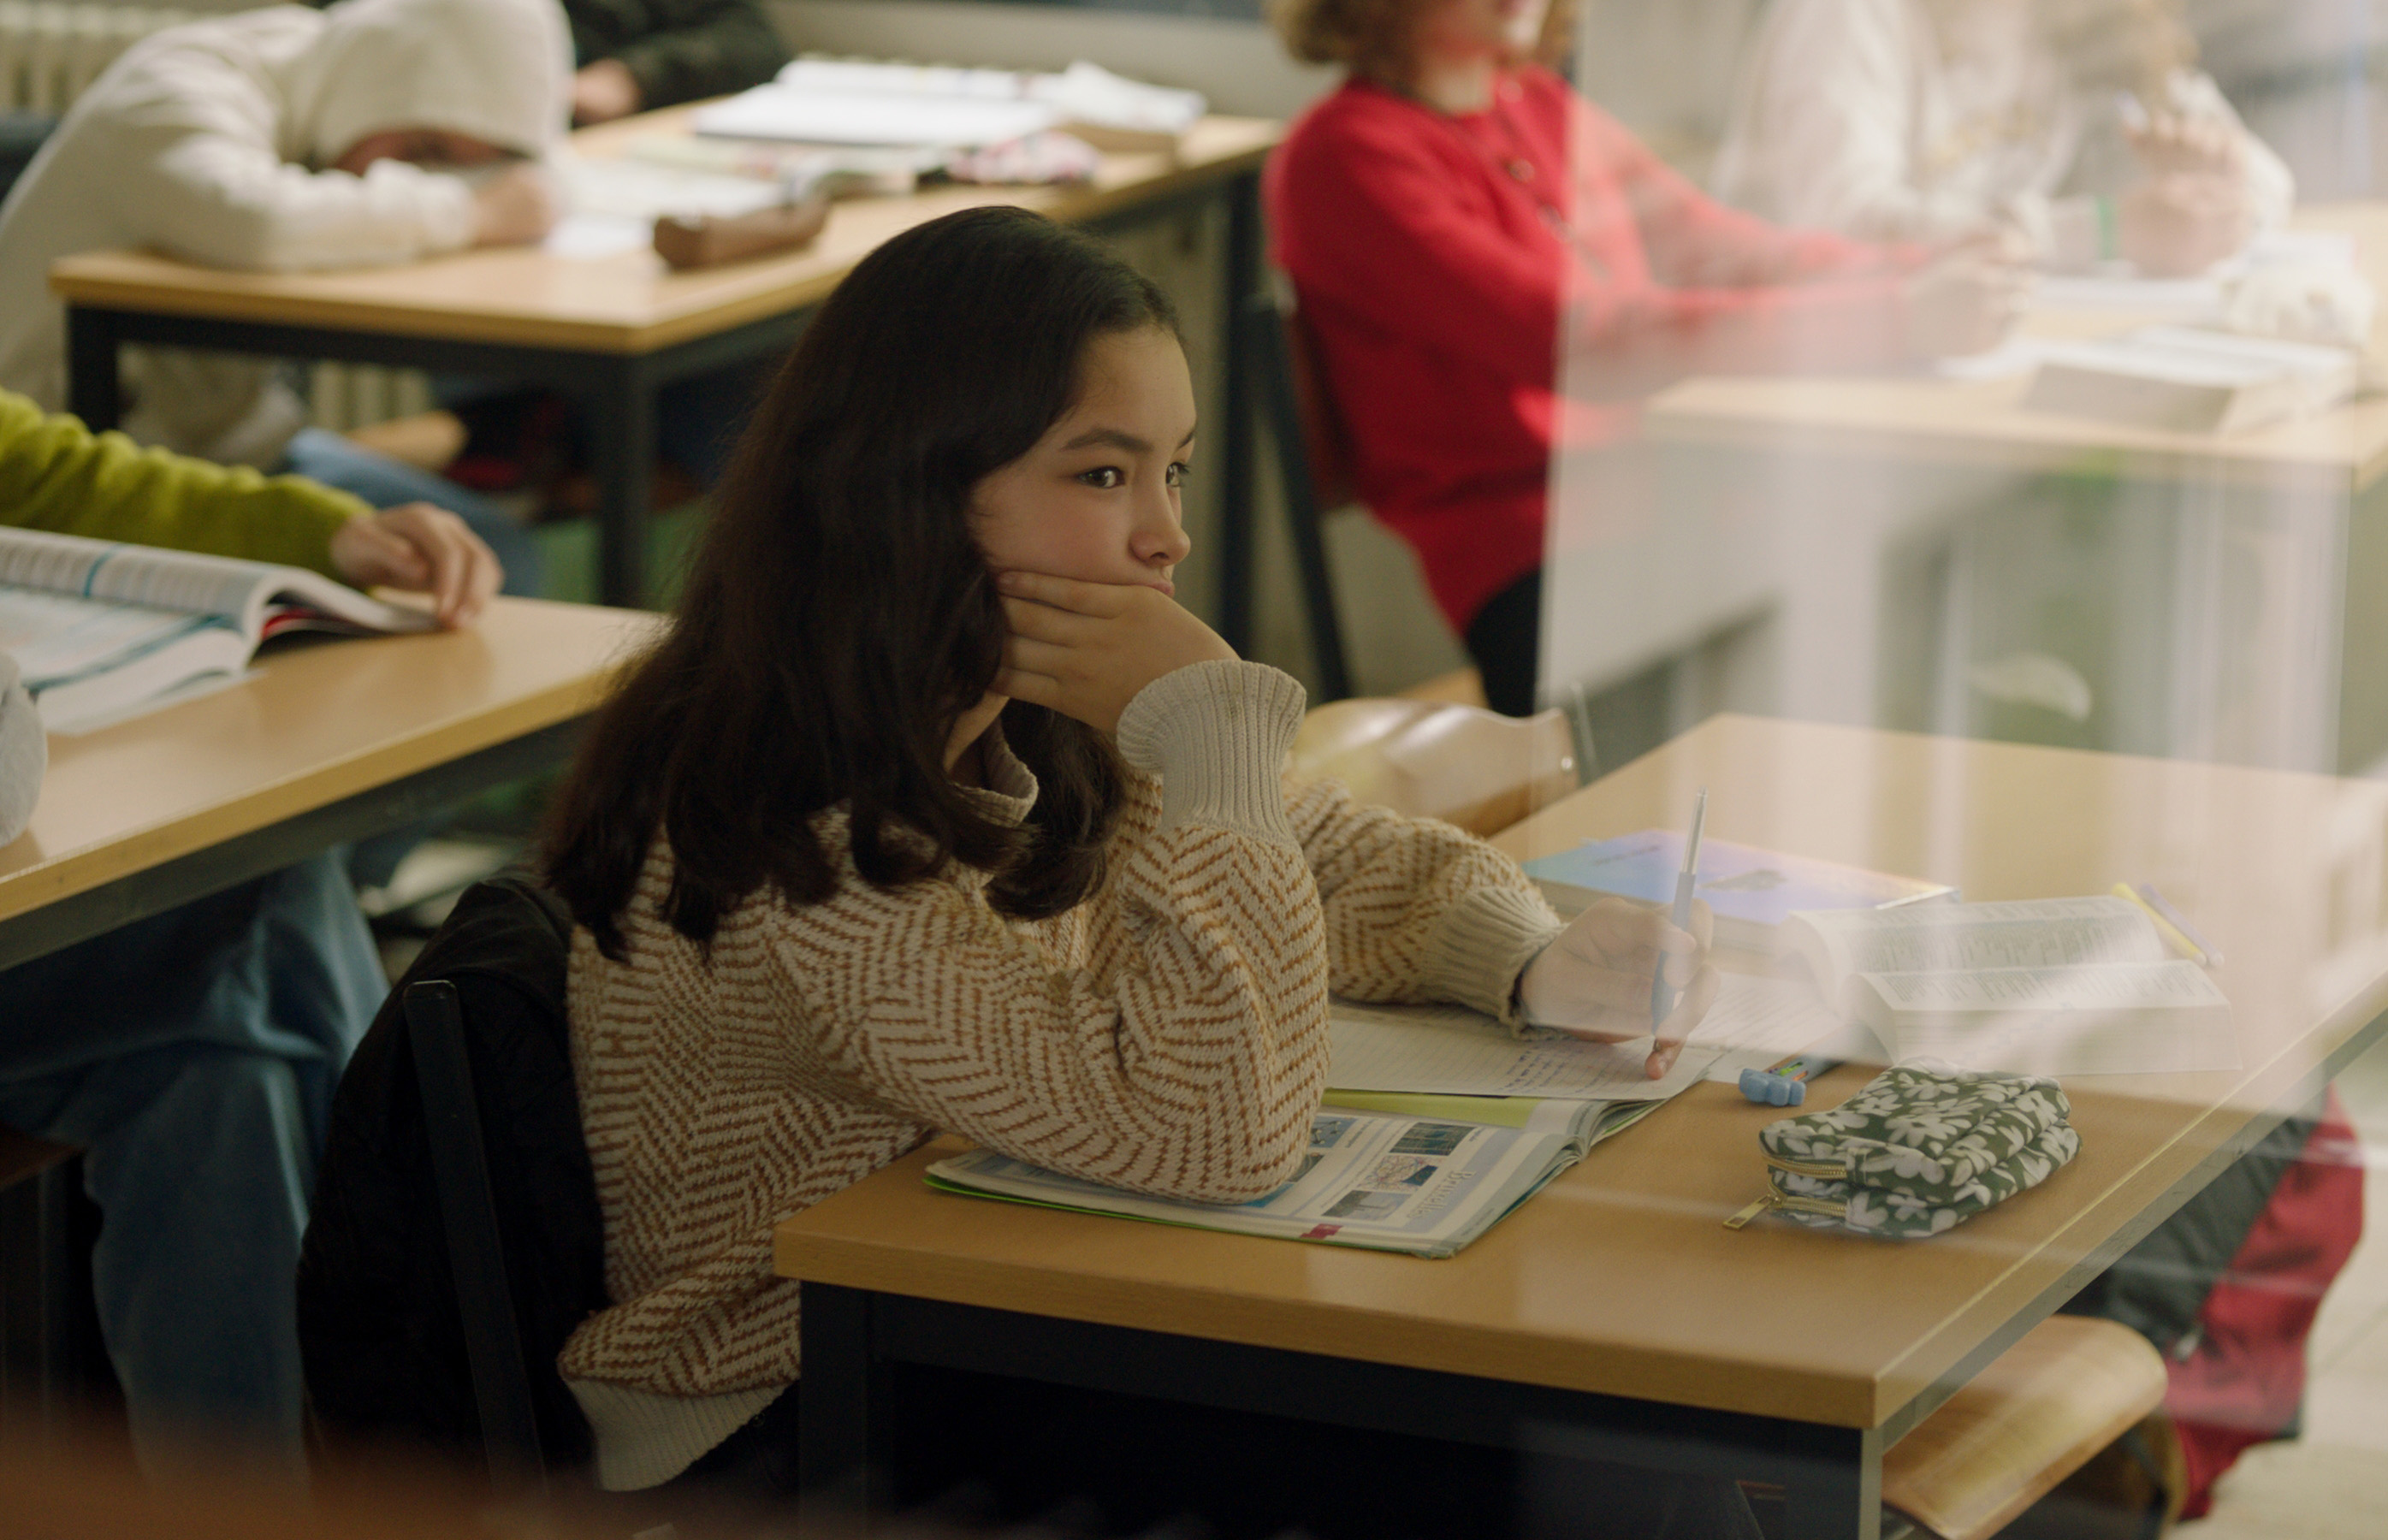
<point>1167,1035</point>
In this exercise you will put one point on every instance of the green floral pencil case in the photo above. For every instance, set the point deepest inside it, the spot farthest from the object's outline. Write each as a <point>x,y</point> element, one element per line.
<point>1922,1148</point>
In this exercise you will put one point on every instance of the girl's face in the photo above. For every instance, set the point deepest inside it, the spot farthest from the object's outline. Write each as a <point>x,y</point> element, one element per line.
<point>1097,498</point>
<point>1475,29</point>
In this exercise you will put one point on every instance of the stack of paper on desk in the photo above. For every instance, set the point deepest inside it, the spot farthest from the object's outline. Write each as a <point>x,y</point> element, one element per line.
<point>2190,380</point>
<point>2047,986</point>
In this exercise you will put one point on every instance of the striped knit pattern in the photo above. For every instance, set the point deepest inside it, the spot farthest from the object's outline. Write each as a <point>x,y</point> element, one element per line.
<point>1169,1034</point>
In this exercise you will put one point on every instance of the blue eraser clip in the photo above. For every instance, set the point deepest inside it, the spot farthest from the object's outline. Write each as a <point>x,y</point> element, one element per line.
<point>1770,1090</point>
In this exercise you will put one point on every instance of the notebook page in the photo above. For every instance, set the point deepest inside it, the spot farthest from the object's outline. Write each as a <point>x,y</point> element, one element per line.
<point>2038,932</point>
<point>1452,1051</point>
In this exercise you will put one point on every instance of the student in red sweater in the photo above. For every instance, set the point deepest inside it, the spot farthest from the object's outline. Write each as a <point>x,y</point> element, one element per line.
<point>1431,219</point>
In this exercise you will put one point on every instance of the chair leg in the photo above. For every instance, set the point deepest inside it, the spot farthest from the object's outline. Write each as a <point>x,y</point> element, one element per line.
<point>435,1022</point>
<point>40,1371</point>
<point>1265,332</point>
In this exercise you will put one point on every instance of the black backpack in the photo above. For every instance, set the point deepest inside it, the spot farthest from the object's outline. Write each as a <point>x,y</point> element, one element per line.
<point>379,1329</point>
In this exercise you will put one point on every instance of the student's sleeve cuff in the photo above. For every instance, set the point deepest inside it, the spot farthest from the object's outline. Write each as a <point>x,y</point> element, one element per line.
<point>1217,734</point>
<point>1480,946</point>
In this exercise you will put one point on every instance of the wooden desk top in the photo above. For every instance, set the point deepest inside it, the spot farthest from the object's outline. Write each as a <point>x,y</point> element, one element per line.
<point>1983,422</point>
<point>628,302</point>
<point>319,724</point>
<point>1620,1276</point>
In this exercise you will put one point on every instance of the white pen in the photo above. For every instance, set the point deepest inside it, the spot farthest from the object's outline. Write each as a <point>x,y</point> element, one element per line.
<point>1662,994</point>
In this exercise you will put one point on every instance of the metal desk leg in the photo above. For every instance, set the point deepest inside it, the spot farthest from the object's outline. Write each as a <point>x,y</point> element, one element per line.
<point>622,453</point>
<point>844,1462</point>
<point>1835,1490</point>
<point>1239,491</point>
<point>92,390</point>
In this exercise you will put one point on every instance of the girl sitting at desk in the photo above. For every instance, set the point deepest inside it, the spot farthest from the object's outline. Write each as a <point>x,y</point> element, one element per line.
<point>1437,229</point>
<point>2080,127</point>
<point>934,811</point>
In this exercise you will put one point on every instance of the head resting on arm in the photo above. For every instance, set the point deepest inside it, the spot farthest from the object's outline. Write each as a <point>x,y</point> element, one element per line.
<point>495,74</point>
<point>840,616</point>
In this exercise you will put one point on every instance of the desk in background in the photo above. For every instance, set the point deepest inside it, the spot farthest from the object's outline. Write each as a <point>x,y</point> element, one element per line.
<point>1860,533</point>
<point>1613,1317</point>
<point>611,331</point>
<point>327,744</point>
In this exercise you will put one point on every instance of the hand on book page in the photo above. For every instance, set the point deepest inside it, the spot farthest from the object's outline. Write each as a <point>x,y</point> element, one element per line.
<point>422,550</point>
<point>1594,980</point>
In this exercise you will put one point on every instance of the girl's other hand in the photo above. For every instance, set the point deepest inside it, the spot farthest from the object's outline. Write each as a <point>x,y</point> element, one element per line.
<point>1965,302</point>
<point>2177,226</point>
<point>1594,980</point>
<point>2172,144</point>
<point>1084,649</point>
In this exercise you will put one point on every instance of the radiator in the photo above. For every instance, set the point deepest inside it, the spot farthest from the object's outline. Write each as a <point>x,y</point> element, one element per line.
<point>50,50</point>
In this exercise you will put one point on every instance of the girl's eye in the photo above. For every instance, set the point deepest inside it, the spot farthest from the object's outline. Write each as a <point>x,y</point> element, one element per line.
<point>1178,472</point>
<point>1104,477</point>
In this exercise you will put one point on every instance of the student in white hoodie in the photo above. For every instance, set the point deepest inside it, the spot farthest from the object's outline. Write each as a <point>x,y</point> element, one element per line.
<point>288,139</point>
<point>2079,126</point>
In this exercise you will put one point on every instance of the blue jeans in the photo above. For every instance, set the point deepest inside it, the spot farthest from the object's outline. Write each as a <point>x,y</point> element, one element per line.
<point>384,482</point>
<point>193,1056</point>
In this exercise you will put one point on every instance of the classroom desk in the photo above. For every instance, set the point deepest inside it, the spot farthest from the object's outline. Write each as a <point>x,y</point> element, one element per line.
<point>1984,422</point>
<point>329,742</point>
<point>1891,531</point>
<point>1613,1315</point>
<point>610,332</point>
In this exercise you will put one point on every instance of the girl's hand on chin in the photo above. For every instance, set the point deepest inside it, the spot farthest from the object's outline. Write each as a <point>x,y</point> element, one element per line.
<point>1084,649</point>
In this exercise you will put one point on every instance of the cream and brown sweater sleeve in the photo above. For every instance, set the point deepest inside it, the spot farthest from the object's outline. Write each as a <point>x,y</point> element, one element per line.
<point>1417,911</point>
<point>1189,1067</point>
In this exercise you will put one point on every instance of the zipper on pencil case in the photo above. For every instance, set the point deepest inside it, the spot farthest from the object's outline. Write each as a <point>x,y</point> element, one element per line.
<point>1778,1200</point>
<point>1823,1170</point>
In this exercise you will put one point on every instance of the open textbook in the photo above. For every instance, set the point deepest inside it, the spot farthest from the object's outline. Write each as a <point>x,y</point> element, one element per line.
<point>2040,986</point>
<point>1428,1186</point>
<point>104,631</point>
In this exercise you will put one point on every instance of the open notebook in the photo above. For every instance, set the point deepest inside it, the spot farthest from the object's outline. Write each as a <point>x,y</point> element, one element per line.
<point>104,631</point>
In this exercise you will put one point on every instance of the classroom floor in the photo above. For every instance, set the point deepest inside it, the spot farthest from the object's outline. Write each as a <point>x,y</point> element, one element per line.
<point>2333,1484</point>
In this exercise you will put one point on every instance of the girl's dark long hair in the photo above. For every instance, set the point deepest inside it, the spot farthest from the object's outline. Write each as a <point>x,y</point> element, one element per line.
<point>839,616</point>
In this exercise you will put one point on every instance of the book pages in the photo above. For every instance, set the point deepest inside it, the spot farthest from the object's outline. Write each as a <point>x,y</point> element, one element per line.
<point>1455,1052</point>
<point>1416,1185</point>
<point>2106,1019</point>
<point>2038,932</point>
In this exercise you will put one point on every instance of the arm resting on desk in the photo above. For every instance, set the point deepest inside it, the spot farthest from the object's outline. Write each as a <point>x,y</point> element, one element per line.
<point>1417,911</point>
<point>58,476</point>
<point>226,202</point>
<point>1180,1047</point>
<point>1392,237</point>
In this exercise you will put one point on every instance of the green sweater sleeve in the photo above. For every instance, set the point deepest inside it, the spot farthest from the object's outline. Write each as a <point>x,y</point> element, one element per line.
<point>56,474</point>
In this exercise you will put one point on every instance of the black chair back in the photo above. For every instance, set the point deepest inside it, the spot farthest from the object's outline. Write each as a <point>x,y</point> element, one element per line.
<point>459,1165</point>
